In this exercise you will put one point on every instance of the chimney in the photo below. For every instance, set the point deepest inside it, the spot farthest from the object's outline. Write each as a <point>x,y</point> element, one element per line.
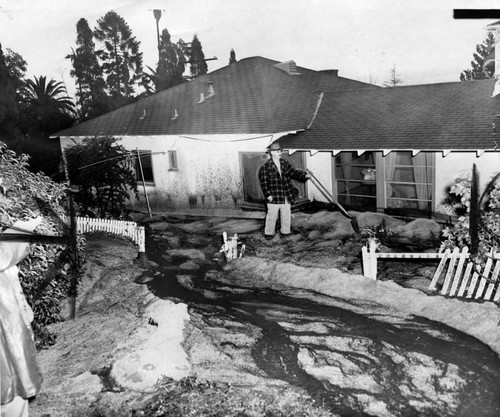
<point>202,98</point>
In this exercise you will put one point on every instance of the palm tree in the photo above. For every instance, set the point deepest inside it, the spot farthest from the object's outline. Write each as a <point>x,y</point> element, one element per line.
<point>51,96</point>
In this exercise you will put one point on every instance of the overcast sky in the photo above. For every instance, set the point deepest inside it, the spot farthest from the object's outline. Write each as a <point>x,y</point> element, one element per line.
<point>363,39</point>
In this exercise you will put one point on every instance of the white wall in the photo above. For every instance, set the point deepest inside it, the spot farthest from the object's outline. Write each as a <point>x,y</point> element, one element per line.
<point>208,165</point>
<point>320,165</point>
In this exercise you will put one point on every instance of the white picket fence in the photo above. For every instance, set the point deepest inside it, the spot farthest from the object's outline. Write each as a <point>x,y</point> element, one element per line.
<point>455,275</point>
<point>118,227</point>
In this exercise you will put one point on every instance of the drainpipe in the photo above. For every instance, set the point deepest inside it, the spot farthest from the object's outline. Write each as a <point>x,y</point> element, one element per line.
<point>143,182</point>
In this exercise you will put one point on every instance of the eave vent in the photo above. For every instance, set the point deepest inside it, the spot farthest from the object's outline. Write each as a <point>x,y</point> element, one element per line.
<point>290,67</point>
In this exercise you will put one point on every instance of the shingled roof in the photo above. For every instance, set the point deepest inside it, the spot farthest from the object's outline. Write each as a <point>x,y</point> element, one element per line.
<point>254,95</point>
<point>448,116</point>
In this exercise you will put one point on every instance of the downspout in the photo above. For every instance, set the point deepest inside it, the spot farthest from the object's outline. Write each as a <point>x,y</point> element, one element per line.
<point>318,105</point>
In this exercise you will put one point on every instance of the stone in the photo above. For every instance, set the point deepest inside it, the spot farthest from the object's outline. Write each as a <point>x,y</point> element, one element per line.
<point>187,253</point>
<point>238,226</point>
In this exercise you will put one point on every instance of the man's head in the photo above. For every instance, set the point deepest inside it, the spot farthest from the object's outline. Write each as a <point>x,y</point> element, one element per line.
<point>275,149</point>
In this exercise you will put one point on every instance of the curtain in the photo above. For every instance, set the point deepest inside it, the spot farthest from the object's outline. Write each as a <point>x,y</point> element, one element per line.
<point>422,169</point>
<point>346,164</point>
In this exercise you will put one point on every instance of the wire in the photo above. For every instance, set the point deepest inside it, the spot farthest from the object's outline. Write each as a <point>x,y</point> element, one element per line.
<point>225,141</point>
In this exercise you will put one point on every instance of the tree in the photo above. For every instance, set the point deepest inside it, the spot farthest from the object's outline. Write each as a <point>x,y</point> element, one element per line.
<point>48,106</point>
<point>104,172</point>
<point>9,111</point>
<point>232,57</point>
<point>198,66</point>
<point>170,68</point>
<point>17,70</point>
<point>481,69</point>
<point>120,58</point>
<point>88,74</point>
<point>171,65</point>
<point>394,79</point>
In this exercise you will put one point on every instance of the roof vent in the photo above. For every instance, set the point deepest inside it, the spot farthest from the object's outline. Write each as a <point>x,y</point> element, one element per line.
<point>211,91</point>
<point>334,72</point>
<point>143,115</point>
<point>290,67</point>
<point>176,115</point>
<point>202,98</point>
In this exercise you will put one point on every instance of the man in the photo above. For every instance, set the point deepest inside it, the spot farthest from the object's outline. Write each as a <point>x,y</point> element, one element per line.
<point>275,180</point>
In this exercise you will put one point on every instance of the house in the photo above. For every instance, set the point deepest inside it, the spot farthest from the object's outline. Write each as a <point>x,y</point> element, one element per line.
<point>201,143</point>
<point>399,149</point>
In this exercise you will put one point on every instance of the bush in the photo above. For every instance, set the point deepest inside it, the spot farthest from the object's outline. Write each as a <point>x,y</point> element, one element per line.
<point>44,274</point>
<point>459,234</point>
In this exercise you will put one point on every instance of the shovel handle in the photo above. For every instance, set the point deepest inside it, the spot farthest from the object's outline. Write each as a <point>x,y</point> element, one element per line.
<point>327,194</point>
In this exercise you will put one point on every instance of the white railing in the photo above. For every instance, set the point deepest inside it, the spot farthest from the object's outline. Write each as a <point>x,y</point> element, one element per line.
<point>118,227</point>
<point>456,275</point>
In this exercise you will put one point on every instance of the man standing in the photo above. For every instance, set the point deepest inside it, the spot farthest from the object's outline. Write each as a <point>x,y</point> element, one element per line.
<point>275,179</point>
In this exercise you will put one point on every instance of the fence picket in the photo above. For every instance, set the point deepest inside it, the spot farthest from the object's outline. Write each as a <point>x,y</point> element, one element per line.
<point>465,279</point>
<point>458,274</point>
<point>449,272</point>
<point>494,277</point>
<point>439,269</point>
<point>482,281</point>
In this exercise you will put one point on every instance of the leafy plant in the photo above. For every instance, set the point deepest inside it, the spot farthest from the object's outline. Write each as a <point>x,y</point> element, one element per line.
<point>459,235</point>
<point>104,172</point>
<point>44,273</point>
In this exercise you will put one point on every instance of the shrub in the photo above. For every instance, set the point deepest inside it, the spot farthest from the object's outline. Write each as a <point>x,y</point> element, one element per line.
<point>44,274</point>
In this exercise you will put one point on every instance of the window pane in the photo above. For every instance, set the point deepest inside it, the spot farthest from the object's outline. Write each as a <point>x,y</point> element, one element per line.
<point>147,167</point>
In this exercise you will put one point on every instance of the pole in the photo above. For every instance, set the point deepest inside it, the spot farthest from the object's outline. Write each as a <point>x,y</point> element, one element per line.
<point>157,15</point>
<point>143,182</point>
<point>328,196</point>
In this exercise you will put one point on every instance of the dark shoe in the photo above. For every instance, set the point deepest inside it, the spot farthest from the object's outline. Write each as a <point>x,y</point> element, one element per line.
<point>268,237</point>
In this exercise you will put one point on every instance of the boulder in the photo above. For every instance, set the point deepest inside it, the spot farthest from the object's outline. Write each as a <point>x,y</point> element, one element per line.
<point>238,226</point>
<point>422,229</point>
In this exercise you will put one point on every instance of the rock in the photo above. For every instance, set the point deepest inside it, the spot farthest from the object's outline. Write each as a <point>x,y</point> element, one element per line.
<point>187,253</point>
<point>154,219</point>
<point>419,229</point>
<point>314,235</point>
<point>189,266</point>
<point>194,227</point>
<point>238,226</point>
<point>160,226</point>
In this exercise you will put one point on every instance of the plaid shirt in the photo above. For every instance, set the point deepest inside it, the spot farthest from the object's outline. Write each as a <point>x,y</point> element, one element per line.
<point>279,187</point>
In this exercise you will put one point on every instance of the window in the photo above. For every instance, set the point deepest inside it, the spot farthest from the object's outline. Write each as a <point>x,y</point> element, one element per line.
<point>172,161</point>
<point>356,185</point>
<point>144,167</point>
<point>408,181</point>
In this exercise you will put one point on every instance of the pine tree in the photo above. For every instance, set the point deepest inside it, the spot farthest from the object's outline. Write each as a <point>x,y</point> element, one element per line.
<point>232,57</point>
<point>394,80</point>
<point>198,66</point>
<point>171,65</point>
<point>482,66</point>
<point>88,74</point>
<point>9,111</point>
<point>120,58</point>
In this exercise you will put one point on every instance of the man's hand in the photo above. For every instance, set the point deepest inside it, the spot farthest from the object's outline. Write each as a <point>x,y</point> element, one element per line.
<point>308,176</point>
<point>270,198</point>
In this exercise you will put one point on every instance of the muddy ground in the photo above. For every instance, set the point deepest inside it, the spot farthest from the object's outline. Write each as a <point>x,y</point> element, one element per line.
<point>91,368</point>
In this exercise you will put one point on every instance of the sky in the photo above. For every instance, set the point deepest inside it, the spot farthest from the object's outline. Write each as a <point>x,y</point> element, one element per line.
<point>363,39</point>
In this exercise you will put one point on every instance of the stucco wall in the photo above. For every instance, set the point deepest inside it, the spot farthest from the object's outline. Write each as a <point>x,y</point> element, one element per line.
<point>208,167</point>
<point>320,165</point>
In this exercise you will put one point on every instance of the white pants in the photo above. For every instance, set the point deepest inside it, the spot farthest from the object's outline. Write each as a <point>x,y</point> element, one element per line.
<point>18,407</point>
<point>285,210</point>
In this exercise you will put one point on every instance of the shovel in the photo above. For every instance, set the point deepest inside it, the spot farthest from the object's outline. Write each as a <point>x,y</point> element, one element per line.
<point>327,194</point>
